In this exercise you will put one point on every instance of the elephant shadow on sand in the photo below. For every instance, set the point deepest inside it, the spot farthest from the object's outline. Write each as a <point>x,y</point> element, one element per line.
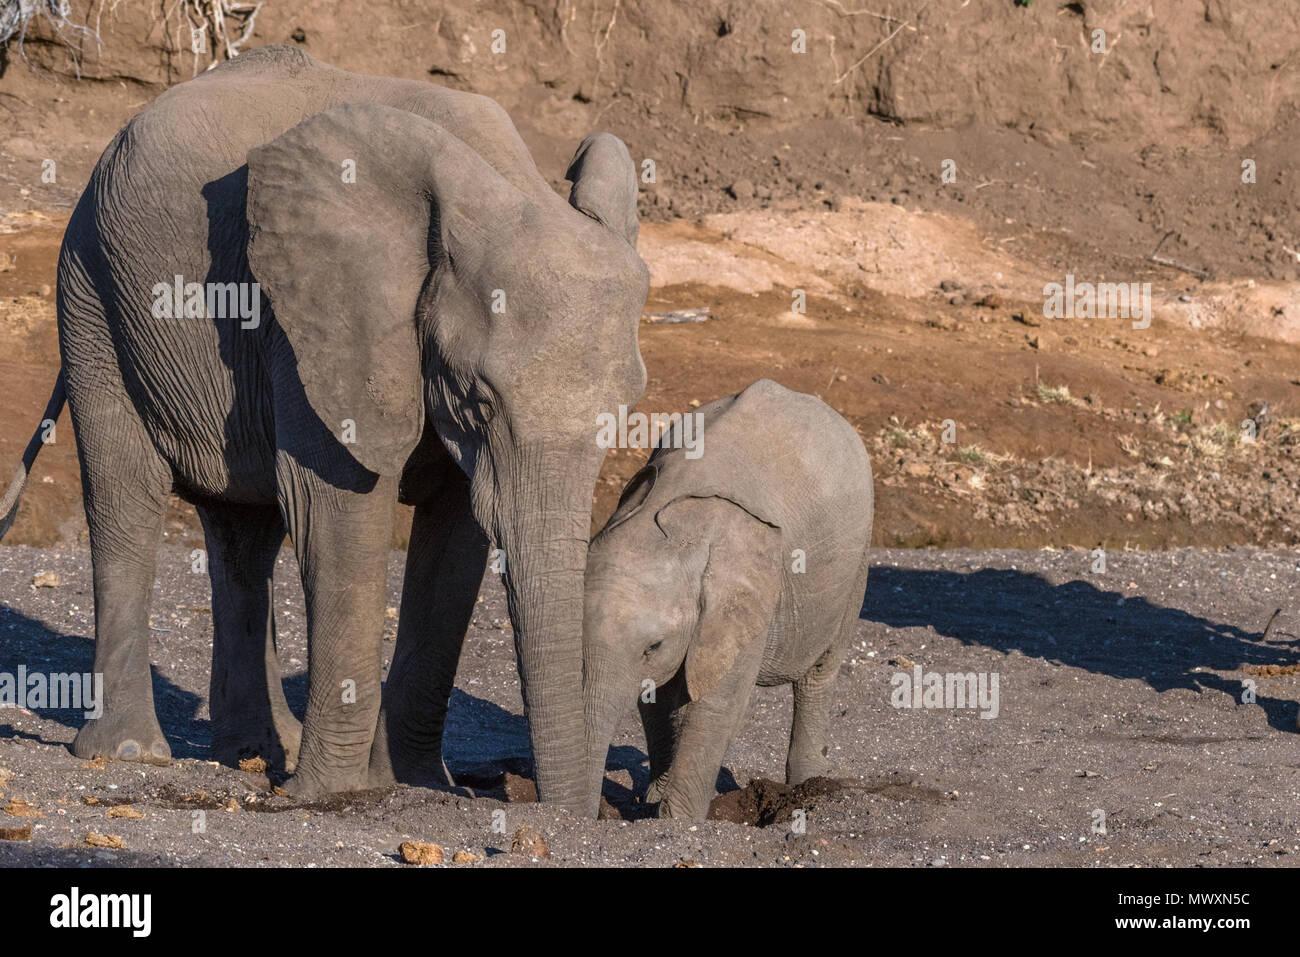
<point>32,644</point>
<point>1077,624</point>
<point>483,740</point>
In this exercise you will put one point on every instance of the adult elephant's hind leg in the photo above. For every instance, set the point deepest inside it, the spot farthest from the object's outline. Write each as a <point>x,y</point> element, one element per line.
<point>250,716</point>
<point>444,568</point>
<point>125,487</point>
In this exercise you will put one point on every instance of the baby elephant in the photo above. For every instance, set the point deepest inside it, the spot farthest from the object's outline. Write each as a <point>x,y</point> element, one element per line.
<point>736,557</point>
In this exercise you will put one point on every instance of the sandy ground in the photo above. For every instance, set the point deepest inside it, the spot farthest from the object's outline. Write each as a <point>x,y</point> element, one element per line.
<point>1119,693</point>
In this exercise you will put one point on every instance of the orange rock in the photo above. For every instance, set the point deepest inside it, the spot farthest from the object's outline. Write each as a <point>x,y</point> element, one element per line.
<point>528,840</point>
<point>20,808</point>
<point>418,852</point>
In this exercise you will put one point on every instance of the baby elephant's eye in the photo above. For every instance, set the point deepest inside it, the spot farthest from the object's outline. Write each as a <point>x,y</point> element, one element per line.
<point>651,649</point>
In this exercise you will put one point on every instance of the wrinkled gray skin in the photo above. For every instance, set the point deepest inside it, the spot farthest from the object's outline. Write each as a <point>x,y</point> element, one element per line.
<point>692,586</point>
<point>377,308</point>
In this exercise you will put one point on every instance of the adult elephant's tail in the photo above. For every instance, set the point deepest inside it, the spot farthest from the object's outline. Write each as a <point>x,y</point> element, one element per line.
<point>9,504</point>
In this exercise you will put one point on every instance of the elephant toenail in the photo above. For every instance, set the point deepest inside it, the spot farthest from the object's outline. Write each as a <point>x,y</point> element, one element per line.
<point>128,750</point>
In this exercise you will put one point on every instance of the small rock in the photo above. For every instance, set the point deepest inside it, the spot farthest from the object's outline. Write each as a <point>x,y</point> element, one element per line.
<point>44,290</point>
<point>46,580</point>
<point>112,841</point>
<point>418,852</point>
<point>741,189</point>
<point>465,857</point>
<point>950,285</point>
<point>126,811</point>
<point>528,840</point>
<point>20,808</point>
<point>520,790</point>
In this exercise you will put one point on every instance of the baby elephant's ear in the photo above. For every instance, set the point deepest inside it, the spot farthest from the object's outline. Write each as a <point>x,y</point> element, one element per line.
<point>738,598</point>
<point>604,184</point>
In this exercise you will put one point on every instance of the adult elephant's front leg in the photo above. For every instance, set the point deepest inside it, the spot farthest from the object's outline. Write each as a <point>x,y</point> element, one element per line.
<point>342,540</point>
<point>444,568</point>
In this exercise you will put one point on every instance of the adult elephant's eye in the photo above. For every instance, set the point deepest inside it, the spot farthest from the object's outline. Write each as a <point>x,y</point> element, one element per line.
<point>651,649</point>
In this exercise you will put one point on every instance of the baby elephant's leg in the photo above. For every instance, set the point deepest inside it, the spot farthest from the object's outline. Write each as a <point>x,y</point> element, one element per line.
<point>656,720</point>
<point>703,729</point>
<point>809,754</point>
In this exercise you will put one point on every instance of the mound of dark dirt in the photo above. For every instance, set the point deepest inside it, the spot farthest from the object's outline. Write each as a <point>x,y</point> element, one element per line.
<point>762,802</point>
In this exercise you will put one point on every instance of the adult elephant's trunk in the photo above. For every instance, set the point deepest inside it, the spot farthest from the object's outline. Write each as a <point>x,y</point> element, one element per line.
<point>543,519</point>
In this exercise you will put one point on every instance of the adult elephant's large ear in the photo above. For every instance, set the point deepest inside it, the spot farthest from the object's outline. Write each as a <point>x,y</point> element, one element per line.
<point>604,184</point>
<point>347,216</point>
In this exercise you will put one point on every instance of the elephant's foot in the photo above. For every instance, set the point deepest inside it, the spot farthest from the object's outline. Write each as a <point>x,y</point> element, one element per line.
<point>658,788</point>
<point>421,769</point>
<point>416,760</point>
<point>812,764</point>
<point>126,736</point>
<point>306,785</point>
<point>275,739</point>
<point>796,774</point>
<point>683,808</point>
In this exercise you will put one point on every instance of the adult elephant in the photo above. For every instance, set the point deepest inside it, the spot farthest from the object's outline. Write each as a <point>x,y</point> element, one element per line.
<point>433,320</point>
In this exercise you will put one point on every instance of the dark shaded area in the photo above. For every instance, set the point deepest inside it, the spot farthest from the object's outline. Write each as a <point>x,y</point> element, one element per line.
<point>1080,625</point>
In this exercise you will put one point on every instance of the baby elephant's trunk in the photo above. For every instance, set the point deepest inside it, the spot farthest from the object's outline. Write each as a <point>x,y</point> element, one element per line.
<point>607,693</point>
<point>9,504</point>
